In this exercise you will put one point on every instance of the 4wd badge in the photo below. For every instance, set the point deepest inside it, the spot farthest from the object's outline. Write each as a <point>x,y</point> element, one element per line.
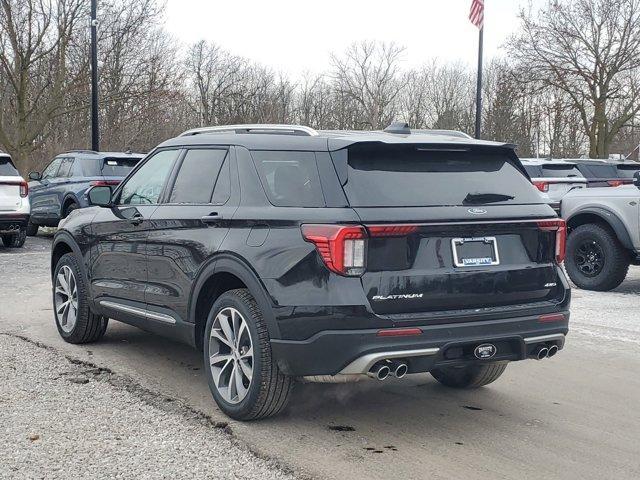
<point>485,351</point>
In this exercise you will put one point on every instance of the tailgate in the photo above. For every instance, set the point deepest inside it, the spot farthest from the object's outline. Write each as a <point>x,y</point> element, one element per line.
<point>10,199</point>
<point>444,267</point>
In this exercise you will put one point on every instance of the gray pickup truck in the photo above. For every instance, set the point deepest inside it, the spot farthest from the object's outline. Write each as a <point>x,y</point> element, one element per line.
<point>604,234</point>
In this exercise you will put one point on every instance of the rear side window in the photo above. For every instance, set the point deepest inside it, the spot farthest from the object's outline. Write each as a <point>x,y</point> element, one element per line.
<point>199,173</point>
<point>559,170</point>
<point>290,179</point>
<point>410,175</point>
<point>6,168</point>
<point>603,171</point>
<point>66,168</point>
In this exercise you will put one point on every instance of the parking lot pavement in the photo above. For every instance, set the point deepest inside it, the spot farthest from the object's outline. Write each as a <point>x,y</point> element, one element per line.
<point>573,416</point>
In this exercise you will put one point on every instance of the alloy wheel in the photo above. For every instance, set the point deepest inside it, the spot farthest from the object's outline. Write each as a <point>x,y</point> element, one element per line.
<point>231,355</point>
<point>589,258</point>
<point>66,299</point>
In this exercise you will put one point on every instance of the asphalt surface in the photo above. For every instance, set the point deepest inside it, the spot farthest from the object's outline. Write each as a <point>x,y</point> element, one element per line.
<point>573,416</point>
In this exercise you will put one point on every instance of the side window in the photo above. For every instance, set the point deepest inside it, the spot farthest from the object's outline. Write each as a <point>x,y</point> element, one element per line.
<point>66,168</point>
<point>52,169</point>
<point>290,179</point>
<point>198,175</point>
<point>145,186</point>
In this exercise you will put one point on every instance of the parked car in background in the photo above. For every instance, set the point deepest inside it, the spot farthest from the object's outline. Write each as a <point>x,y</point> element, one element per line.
<point>286,252</point>
<point>600,173</point>
<point>14,204</point>
<point>62,185</point>
<point>604,234</point>
<point>554,178</point>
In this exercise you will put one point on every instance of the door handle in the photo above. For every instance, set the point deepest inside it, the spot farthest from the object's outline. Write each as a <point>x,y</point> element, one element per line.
<point>136,219</point>
<point>211,219</point>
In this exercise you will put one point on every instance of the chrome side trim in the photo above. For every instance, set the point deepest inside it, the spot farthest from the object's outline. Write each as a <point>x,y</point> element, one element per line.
<point>544,338</point>
<point>363,364</point>
<point>141,312</point>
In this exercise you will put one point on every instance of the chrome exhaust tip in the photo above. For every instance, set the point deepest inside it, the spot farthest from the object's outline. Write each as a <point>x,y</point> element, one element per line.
<point>553,349</point>
<point>400,369</point>
<point>379,371</point>
<point>541,352</point>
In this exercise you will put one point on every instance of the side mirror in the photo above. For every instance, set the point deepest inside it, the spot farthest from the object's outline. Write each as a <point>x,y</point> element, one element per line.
<point>636,179</point>
<point>35,176</point>
<point>99,196</point>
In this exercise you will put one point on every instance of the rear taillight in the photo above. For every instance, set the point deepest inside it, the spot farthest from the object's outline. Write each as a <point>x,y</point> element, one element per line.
<point>615,183</point>
<point>24,189</point>
<point>342,248</point>
<point>560,227</point>
<point>105,183</point>
<point>542,186</point>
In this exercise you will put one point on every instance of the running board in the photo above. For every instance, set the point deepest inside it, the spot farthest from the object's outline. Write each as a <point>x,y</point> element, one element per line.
<point>140,312</point>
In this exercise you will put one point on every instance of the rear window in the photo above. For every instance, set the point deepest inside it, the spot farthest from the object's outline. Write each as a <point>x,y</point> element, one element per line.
<point>558,170</point>
<point>396,176</point>
<point>534,171</point>
<point>118,167</point>
<point>628,170</point>
<point>7,169</point>
<point>290,179</point>
<point>603,171</point>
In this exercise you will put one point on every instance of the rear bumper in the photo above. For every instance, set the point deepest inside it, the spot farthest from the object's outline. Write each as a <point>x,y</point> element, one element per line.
<point>12,222</point>
<point>354,351</point>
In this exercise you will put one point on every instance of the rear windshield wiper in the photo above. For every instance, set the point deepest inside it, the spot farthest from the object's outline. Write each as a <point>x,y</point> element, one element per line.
<point>482,198</point>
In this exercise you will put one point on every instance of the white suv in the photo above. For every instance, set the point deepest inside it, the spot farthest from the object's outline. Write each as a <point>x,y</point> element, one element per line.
<point>14,204</point>
<point>554,178</point>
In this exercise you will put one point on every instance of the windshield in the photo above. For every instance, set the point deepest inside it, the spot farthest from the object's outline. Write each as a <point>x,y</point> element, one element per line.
<point>411,175</point>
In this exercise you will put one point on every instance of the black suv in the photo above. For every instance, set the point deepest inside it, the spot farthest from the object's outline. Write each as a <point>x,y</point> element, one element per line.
<point>284,252</point>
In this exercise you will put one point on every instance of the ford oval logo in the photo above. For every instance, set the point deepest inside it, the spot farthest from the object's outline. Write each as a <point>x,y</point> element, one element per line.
<point>476,211</point>
<point>485,351</point>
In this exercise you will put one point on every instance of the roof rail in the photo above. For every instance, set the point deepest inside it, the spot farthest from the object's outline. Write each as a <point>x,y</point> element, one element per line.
<point>254,128</point>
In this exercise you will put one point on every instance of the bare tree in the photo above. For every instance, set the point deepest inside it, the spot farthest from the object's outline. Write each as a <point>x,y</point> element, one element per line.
<point>590,49</point>
<point>369,74</point>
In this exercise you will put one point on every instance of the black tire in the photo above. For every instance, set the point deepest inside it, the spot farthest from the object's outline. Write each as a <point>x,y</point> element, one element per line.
<point>613,258</point>
<point>89,327</point>
<point>32,229</point>
<point>269,389</point>
<point>472,376</point>
<point>15,240</point>
<point>70,208</point>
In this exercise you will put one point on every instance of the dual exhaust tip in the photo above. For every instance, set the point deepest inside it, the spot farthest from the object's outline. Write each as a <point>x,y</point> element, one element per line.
<point>383,369</point>
<point>542,351</point>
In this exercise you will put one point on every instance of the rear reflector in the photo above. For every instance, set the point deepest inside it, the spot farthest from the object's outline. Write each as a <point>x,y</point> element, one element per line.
<point>399,332</point>
<point>560,227</point>
<point>553,317</point>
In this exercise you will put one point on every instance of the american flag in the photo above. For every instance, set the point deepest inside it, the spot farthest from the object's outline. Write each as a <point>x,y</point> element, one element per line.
<point>476,15</point>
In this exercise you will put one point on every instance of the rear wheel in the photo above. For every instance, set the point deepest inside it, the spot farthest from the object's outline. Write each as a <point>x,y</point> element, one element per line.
<point>32,229</point>
<point>69,208</point>
<point>75,322</point>
<point>15,240</point>
<point>245,382</point>
<point>472,376</point>
<point>596,260</point>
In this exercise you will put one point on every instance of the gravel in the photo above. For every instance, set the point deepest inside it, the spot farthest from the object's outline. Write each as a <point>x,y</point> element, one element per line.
<point>68,419</point>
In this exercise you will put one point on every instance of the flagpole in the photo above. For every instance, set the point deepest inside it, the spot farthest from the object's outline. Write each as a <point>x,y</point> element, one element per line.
<point>479,85</point>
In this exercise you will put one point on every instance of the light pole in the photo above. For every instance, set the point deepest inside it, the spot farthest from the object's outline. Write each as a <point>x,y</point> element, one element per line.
<point>95,133</point>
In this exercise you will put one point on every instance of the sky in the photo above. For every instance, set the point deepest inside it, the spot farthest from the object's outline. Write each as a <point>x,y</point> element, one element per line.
<point>299,36</point>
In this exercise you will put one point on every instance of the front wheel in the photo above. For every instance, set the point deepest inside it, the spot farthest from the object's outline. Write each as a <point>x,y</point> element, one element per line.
<point>15,240</point>
<point>75,322</point>
<point>243,378</point>
<point>472,376</point>
<point>596,260</point>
